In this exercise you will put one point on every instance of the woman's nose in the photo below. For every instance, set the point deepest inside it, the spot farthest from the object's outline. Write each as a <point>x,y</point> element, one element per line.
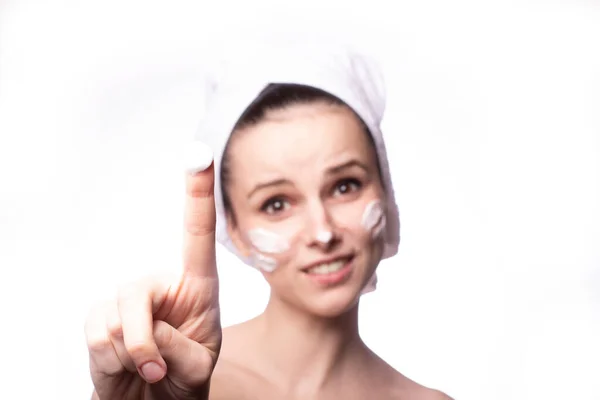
<point>321,230</point>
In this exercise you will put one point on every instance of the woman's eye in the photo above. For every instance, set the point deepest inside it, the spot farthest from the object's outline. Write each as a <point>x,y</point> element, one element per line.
<point>346,186</point>
<point>275,206</point>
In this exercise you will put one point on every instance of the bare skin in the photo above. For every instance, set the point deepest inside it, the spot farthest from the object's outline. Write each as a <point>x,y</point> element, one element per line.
<point>306,344</point>
<point>298,348</point>
<point>244,372</point>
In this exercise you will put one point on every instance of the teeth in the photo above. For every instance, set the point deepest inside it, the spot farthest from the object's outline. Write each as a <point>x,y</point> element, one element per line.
<point>327,268</point>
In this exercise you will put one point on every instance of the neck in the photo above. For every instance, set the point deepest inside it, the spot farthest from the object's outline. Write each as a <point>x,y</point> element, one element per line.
<point>305,351</point>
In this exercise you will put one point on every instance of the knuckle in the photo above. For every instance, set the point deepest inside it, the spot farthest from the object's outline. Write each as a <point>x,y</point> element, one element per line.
<point>98,343</point>
<point>200,211</point>
<point>163,334</point>
<point>139,350</point>
<point>200,191</point>
<point>96,335</point>
<point>113,321</point>
<point>115,329</point>
<point>195,228</point>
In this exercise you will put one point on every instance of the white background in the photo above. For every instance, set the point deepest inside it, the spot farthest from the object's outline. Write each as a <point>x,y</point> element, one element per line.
<point>494,128</point>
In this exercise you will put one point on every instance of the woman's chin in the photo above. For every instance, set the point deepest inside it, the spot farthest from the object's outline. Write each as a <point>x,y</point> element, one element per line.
<point>333,303</point>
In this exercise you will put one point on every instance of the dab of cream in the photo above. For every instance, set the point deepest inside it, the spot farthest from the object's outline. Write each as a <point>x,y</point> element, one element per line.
<point>373,218</point>
<point>324,237</point>
<point>264,263</point>
<point>198,157</point>
<point>267,242</point>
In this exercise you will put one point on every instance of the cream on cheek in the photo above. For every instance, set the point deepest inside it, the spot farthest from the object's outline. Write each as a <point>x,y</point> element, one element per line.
<point>267,244</point>
<point>265,263</point>
<point>265,241</point>
<point>373,221</point>
<point>373,218</point>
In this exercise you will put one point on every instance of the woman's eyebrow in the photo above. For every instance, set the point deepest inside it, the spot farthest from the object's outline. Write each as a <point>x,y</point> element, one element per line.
<point>332,170</point>
<point>347,165</point>
<point>276,182</point>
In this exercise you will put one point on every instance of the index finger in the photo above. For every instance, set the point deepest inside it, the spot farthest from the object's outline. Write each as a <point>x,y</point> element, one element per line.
<point>199,258</point>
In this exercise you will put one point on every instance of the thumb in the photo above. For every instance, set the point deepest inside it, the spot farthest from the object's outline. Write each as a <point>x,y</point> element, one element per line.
<point>189,364</point>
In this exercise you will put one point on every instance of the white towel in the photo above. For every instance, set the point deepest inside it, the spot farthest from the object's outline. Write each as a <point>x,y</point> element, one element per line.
<point>349,75</point>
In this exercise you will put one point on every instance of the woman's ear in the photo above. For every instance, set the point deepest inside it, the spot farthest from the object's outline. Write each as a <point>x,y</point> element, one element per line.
<point>236,236</point>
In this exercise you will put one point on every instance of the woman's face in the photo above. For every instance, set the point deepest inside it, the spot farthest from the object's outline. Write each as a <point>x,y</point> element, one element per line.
<point>307,202</point>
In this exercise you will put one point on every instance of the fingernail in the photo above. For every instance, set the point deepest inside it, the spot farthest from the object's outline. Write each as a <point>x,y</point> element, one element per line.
<point>198,157</point>
<point>152,372</point>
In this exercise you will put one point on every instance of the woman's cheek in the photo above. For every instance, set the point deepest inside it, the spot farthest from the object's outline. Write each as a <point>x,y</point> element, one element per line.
<point>373,218</point>
<point>274,247</point>
<point>366,219</point>
<point>271,247</point>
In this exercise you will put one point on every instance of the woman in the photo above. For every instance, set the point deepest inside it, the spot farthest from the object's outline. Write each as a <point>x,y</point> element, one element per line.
<point>300,189</point>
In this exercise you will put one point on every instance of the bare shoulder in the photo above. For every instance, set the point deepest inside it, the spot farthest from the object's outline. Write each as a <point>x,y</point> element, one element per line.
<point>406,388</point>
<point>433,394</point>
<point>409,389</point>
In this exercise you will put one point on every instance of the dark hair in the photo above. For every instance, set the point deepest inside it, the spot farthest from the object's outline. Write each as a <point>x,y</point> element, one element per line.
<point>276,97</point>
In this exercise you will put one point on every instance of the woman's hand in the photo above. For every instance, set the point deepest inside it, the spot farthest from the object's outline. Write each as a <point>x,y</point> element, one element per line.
<point>160,338</point>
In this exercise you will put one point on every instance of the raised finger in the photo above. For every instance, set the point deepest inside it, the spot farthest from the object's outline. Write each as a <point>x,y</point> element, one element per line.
<point>200,216</point>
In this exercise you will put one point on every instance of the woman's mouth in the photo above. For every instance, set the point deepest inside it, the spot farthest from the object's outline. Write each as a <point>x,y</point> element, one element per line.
<point>331,272</point>
<point>327,268</point>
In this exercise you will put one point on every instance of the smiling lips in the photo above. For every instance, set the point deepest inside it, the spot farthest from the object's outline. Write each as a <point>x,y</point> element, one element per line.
<point>330,272</point>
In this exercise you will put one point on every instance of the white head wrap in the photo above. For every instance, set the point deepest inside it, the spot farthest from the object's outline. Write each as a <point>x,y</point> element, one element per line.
<point>352,77</point>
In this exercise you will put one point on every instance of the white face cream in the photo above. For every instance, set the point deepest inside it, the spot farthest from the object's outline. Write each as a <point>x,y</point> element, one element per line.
<point>266,242</point>
<point>264,263</point>
<point>373,219</point>
<point>324,237</point>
